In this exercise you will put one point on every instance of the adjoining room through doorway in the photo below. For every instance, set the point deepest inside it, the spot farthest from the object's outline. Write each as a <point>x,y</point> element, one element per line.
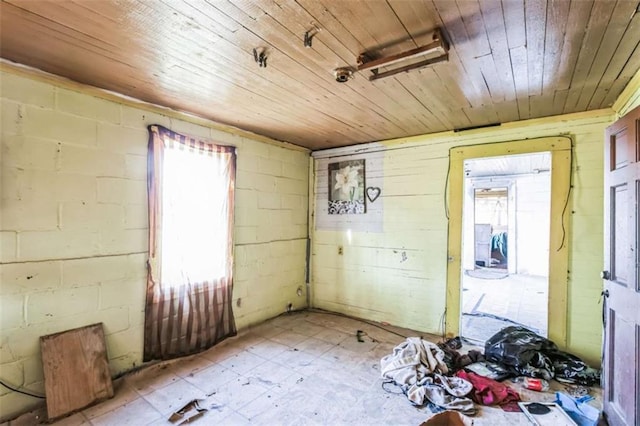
<point>505,268</point>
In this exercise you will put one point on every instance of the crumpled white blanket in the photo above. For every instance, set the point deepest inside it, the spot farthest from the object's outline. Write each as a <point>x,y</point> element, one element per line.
<point>410,363</point>
<point>414,364</point>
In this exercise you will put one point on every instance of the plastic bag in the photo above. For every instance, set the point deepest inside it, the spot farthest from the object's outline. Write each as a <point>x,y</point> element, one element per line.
<point>516,346</point>
<point>529,354</point>
<point>579,411</point>
<point>571,369</point>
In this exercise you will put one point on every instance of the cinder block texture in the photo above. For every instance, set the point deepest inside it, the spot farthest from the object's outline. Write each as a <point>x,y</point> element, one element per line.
<point>74,225</point>
<point>399,275</point>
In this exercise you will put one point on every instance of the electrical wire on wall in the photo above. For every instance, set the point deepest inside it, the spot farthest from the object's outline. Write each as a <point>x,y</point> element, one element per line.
<point>33,395</point>
<point>564,209</point>
<point>566,201</point>
<point>446,191</point>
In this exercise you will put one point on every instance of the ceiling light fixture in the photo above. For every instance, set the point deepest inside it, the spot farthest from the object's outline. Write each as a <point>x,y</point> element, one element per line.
<point>436,51</point>
<point>343,74</point>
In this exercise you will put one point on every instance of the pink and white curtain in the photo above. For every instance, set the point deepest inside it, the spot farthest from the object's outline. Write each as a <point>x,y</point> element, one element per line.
<point>190,186</point>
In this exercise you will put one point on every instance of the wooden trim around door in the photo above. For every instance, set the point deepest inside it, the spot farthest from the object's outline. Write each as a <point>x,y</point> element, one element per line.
<point>560,148</point>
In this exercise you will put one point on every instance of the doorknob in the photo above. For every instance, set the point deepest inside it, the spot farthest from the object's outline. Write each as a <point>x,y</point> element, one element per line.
<point>605,293</point>
<point>605,275</point>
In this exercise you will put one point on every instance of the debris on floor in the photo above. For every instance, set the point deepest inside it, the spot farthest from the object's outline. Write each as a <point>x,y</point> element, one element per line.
<point>448,418</point>
<point>440,377</point>
<point>189,413</point>
<point>417,366</point>
<point>532,383</point>
<point>360,334</point>
<point>580,412</point>
<point>548,413</point>
<point>529,354</point>
<point>489,369</point>
<point>294,368</point>
<point>490,392</point>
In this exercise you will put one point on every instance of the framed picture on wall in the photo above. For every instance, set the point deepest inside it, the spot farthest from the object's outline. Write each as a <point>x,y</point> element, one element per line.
<point>347,187</point>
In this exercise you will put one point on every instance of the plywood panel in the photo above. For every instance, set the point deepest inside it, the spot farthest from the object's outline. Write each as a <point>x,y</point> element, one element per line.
<point>76,369</point>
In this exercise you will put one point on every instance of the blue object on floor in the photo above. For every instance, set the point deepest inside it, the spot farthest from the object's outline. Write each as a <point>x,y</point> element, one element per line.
<point>579,411</point>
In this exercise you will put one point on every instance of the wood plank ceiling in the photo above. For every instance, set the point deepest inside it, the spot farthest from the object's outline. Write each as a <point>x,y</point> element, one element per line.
<point>509,60</point>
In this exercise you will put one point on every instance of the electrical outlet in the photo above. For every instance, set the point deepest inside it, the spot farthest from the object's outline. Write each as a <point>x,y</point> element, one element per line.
<point>340,250</point>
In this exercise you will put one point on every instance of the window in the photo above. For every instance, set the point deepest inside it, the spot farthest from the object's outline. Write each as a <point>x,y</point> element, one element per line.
<point>190,280</point>
<point>194,230</point>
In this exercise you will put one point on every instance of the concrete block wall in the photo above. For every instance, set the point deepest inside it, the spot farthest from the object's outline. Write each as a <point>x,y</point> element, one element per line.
<point>399,275</point>
<point>73,225</point>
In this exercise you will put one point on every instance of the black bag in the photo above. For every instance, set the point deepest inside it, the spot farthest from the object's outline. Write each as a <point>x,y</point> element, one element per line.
<point>516,346</point>
<point>529,354</point>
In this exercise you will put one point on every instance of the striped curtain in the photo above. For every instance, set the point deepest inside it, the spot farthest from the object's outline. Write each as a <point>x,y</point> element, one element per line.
<point>190,185</point>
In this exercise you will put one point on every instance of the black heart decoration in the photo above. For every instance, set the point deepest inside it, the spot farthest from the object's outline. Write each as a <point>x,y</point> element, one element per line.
<point>373,192</point>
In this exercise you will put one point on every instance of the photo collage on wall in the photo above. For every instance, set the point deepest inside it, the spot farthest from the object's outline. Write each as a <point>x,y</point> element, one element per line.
<point>347,187</point>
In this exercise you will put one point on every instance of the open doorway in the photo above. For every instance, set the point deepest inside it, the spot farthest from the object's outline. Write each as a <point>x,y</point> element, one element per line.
<point>505,241</point>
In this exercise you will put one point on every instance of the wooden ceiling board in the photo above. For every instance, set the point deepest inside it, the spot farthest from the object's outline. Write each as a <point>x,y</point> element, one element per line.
<point>556,80</point>
<point>297,29</point>
<point>160,19</point>
<point>271,80</point>
<point>507,111</point>
<point>466,57</point>
<point>608,46</point>
<point>596,27</point>
<point>391,87</point>
<point>557,17</point>
<point>447,96</point>
<point>416,17</point>
<point>493,15</point>
<point>574,34</point>
<point>318,15</point>
<point>474,25</point>
<point>338,103</point>
<point>429,97</point>
<point>509,60</point>
<point>536,20</point>
<point>97,63</point>
<point>629,70</point>
<point>514,23</point>
<point>620,58</point>
<point>521,79</point>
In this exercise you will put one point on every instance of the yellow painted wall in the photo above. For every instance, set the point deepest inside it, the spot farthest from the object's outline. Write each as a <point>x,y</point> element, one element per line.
<point>73,225</point>
<point>399,275</point>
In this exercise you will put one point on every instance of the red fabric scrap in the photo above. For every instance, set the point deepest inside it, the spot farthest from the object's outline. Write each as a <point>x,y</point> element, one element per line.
<point>487,391</point>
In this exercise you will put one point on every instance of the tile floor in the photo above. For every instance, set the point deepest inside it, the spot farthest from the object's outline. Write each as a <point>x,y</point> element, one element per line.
<point>520,298</point>
<point>302,368</point>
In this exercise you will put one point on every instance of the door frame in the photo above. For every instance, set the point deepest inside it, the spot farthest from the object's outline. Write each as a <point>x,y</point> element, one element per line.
<point>499,182</point>
<point>561,165</point>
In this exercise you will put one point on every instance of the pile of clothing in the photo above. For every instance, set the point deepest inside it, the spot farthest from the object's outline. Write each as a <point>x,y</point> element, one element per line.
<point>418,367</point>
<point>429,373</point>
